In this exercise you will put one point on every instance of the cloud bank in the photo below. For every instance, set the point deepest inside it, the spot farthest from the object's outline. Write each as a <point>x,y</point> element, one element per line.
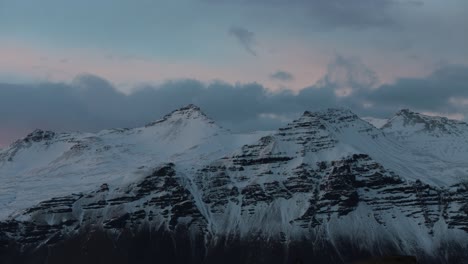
<point>90,103</point>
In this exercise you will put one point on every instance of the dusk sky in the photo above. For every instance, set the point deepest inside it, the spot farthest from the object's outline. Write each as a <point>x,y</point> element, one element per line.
<point>250,64</point>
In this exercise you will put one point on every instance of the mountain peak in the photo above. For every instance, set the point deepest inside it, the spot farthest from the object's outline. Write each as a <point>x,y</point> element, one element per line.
<point>329,113</point>
<point>337,115</point>
<point>407,113</point>
<point>408,119</point>
<point>332,119</point>
<point>415,117</point>
<point>332,116</point>
<point>339,110</point>
<point>188,112</point>
<point>189,107</point>
<point>39,135</point>
<point>404,111</point>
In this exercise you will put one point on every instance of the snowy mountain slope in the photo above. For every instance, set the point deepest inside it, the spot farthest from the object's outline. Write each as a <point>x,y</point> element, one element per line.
<point>377,122</point>
<point>328,185</point>
<point>46,164</point>
<point>438,136</point>
<point>303,158</point>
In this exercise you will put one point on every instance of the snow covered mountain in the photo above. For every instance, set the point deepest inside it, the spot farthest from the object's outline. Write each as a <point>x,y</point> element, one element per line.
<point>329,188</point>
<point>444,138</point>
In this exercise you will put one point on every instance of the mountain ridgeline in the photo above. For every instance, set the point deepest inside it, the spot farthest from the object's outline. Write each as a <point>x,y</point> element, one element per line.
<point>327,188</point>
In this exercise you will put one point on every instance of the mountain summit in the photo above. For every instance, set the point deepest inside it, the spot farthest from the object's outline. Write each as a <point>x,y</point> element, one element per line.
<point>328,187</point>
<point>189,112</point>
<point>412,122</point>
<point>431,135</point>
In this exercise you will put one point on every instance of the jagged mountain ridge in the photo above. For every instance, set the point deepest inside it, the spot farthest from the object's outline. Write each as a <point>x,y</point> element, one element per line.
<point>444,138</point>
<point>417,123</point>
<point>328,177</point>
<point>73,162</point>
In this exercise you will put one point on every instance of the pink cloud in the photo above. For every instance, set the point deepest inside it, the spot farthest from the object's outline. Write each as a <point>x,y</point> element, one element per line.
<point>57,66</point>
<point>19,59</point>
<point>308,64</point>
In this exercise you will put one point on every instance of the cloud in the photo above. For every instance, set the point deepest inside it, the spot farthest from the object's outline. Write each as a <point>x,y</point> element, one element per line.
<point>90,103</point>
<point>444,90</point>
<point>245,37</point>
<point>356,14</point>
<point>282,76</point>
<point>348,75</point>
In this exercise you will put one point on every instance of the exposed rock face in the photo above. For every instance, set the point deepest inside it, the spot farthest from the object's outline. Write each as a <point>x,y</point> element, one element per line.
<point>307,191</point>
<point>158,199</point>
<point>39,135</point>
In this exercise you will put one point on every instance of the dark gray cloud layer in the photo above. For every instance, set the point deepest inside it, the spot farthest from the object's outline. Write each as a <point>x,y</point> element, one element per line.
<point>336,13</point>
<point>445,90</point>
<point>282,76</point>
<point>245,38</point>
<point>345,13</point>
<point>90,103</point>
